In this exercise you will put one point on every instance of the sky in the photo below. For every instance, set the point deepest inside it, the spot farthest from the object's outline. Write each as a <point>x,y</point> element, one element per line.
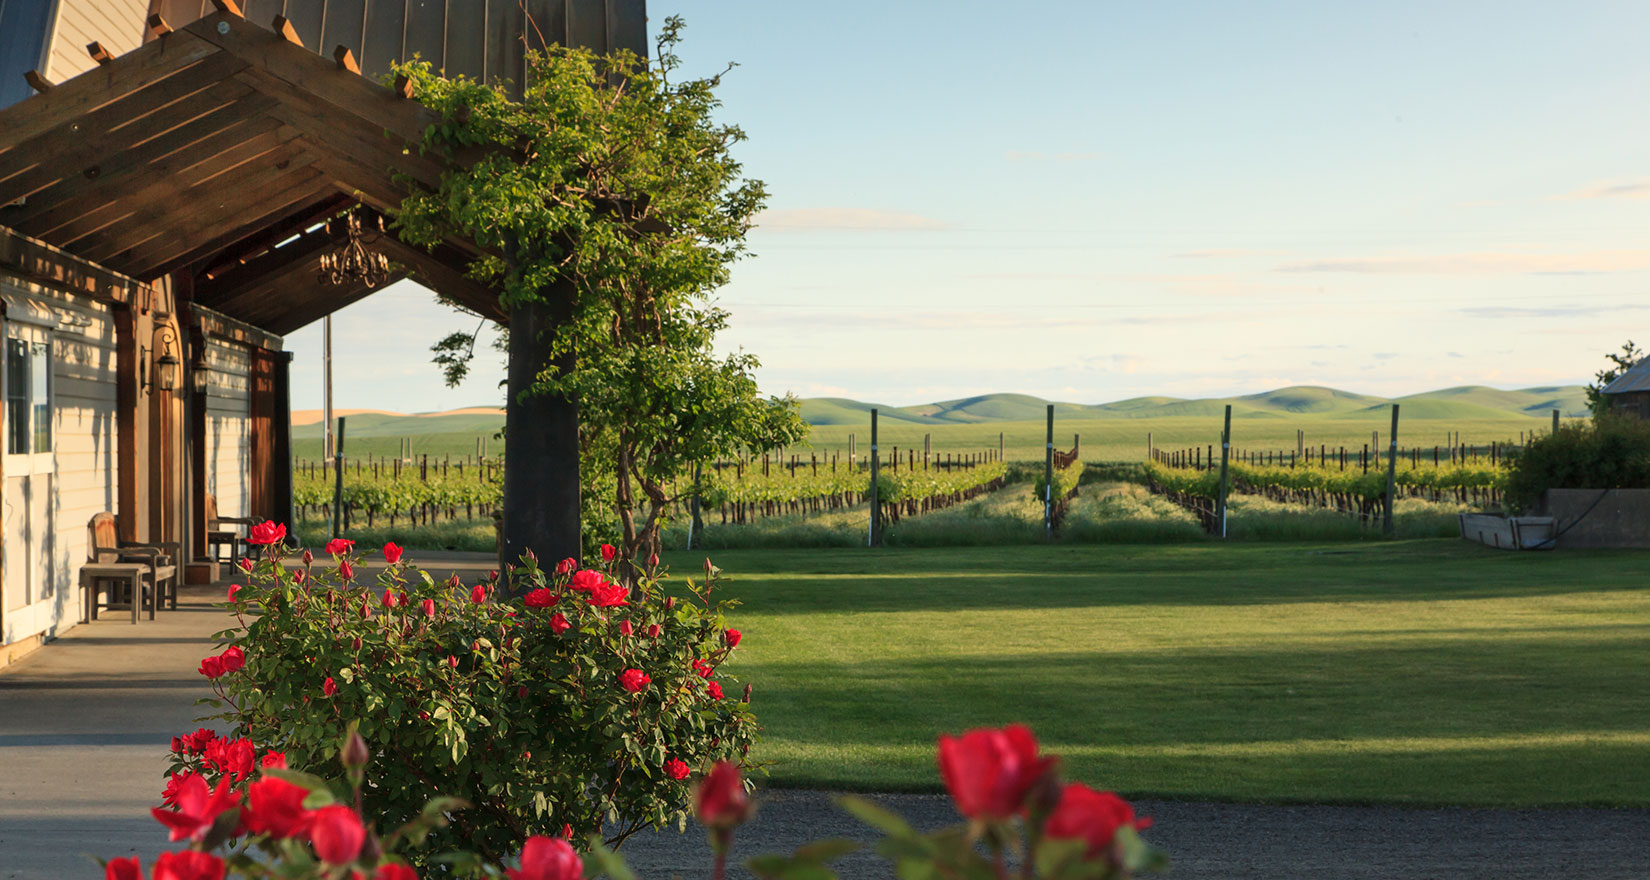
<point>1090,201</point>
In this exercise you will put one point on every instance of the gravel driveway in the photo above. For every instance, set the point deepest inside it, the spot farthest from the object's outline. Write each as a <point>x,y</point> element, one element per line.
<point>1241,841</point>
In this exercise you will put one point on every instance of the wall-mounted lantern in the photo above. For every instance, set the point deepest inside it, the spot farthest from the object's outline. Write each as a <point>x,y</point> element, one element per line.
<point>165,372</point>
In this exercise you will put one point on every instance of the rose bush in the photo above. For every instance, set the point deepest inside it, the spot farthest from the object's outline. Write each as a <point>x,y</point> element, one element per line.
<point>548,711</point>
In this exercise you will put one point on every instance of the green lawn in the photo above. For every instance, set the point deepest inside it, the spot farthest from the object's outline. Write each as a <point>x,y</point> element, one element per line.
<point>1419,672</point>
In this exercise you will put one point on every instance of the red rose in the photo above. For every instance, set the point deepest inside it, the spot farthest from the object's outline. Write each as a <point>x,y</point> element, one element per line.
<point>267,532</point>
<point>714,689</point>
<point>478,594</point>
<point>559,624</point>
<point>188,865</point>
<point>988,772</point>
<point>211,667</point>
<point>197,808</point>
<point>587,579</point>
<point>609,596</point>
<point>232,757</point>
<point>676,768</point>
<point>339,546</point>
<point>634,680</point>
<point>547,858</point>
<point>233,589</point>
<point>123,869</point>
<point>195,743</point>
<point>1091,816</point>
<point>732,637</point>
<point>329,687</point>
<point>625,628</point>
<point>392,553</point>
<point>232,659</point>
<point>566,565</point>
<point>174,784</point>
<point>337,834</point>
<point>653,630</point>
<point>429,607</point>
<point>541,598</point>
<point>394,872</point>
<point>276,807</point>
<point>703,669</point>
<point>273,759</point>
<point>608,552</point>
<point>720,800</point>
<point>247,565</point>
<point>345,570</point>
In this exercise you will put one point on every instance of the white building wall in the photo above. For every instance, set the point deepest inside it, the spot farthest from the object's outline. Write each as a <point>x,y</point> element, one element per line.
<point>228,455</point>
<point>117,24</point>
<point>85,476</point>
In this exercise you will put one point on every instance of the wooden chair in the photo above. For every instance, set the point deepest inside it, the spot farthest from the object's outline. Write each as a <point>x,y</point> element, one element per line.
<point>217,535</point>
<point>148,570</point>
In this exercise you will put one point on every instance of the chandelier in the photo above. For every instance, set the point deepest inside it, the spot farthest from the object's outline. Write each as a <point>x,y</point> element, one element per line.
<point>352,263</point>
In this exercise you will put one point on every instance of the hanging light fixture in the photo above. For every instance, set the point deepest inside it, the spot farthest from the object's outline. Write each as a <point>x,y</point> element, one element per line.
<point>353,262</point>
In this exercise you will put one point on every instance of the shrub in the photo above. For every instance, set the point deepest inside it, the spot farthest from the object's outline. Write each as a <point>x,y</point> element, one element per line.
<point>577,704</point>
<point>1610,452</point>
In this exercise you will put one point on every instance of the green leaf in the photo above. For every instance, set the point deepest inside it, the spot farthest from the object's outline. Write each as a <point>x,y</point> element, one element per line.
<point>875,816</point>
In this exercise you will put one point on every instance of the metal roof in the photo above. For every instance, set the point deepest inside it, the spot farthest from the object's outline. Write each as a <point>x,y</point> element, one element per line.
<point>1635,379</point>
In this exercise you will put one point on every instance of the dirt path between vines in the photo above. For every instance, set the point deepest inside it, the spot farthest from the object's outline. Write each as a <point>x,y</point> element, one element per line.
<point>1241,841</point>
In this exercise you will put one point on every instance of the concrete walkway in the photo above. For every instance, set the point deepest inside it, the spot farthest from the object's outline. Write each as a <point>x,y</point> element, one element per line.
<point>85,722</point>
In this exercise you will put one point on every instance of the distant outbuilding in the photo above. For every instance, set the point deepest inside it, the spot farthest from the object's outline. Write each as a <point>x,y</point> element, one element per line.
<point>1630,392</point>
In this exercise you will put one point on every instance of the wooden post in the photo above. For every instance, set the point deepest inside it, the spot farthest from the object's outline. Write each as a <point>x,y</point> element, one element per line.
<point>695,525</point>
<point>1225,454</point>
<point>541,482</point>
<point>338,484</point>
<point>875,538</point>
<point>999,446</point>
<point>1048,478</point>
<point>1555,421</point>
<point>1149,447</point>
<point>1387,526</point>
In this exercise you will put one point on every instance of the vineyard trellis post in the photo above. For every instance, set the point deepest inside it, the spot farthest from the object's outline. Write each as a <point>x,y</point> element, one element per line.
<point>874,539</point>
<point>1388,528</point>
<point>1555,421</point>
<point>338,485</point>
<point>695,524</point>
<point>1225,455</point>
<point>1048,479</point>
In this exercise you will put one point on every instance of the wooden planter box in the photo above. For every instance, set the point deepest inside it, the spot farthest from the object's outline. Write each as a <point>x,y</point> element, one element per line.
<point>1599,517</point>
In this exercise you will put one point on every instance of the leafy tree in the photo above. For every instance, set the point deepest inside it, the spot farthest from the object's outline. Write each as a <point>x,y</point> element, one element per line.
<point>1619,363</point>
<point>611,178</point>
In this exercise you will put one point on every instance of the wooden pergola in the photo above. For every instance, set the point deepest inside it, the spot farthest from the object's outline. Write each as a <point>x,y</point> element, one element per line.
<point>210,159</point>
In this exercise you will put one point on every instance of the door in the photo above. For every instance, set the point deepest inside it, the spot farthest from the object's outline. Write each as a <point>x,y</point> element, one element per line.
<point>26,594</point>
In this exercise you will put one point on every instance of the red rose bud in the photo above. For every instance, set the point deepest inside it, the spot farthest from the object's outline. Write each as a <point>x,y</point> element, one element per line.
<point>211,667</point>
<point>567,830</point>
<point>720,800</point>
<point>676,768</point>
<point>1092,817</point>
<point>233,659</point>
<point>547,858</point>
<point>492,575</point>
<point>337,834</point>
<point>732,637</point>
<point>392,553</point>
<point>267,532</point>
<point>355,754</point>
<point>308,557</point>
<point>566,565</point>
<point>559,624</point>
<point>298,576</point>
<point>626,629</point>
<point>608,552</point>
<point>988,772</point>
<point>530,556</point>
<point>405,600</point>
<point>345,570</point>
<point>233,590</point>
<point>454,581</point>
<point>389,599</point>
<point>452,661</point>
<point>429,607</point>
<point>652,560</point>
<point>188,865</point>
<point>123,869</point>
<point>246,565</point>
<point>670,602</point>
<point>366,610</point>
<point>653,630</point>
<point>329,687</point>
<point>475,645</point>
<point>478,594</point>
<point>521,692</point>
<point>747,697</point>
<point>634,680</point>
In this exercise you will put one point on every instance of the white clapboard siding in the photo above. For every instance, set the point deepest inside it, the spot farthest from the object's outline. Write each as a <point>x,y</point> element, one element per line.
<point>117,24</point>
<point>85,441</point>
<point>228,456</point>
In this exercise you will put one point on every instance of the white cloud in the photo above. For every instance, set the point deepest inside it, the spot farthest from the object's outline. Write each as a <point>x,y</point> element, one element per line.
<point>1483,263</point>
<point>1631,189</point>
<point>845,218</point>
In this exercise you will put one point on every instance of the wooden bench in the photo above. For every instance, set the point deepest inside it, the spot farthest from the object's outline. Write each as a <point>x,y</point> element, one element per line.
<point>217,535</point>
<point>147,570</point>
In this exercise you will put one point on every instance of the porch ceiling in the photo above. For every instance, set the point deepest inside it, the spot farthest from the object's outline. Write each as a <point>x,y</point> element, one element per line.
<point>214,150</point>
